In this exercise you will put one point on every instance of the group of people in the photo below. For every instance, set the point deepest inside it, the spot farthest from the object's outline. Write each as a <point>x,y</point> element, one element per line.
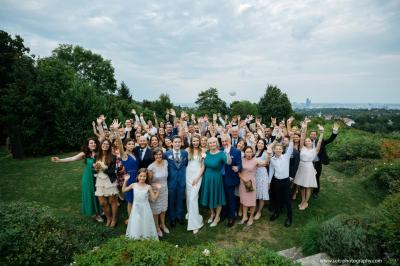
<point>231,167</point>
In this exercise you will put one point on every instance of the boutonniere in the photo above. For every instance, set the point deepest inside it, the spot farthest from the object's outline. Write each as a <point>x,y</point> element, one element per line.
<point>170,157</point>
<point>232,157</point>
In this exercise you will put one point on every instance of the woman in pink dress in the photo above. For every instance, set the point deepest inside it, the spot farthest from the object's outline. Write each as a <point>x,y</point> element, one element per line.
<point>247,187</point>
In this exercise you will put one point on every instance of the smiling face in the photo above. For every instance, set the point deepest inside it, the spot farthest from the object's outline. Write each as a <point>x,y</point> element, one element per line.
<point>154,142</point>
<point>105,146</point>
<point>129,146</point>
<point>240,145</point>
<point>142,142</point>
<point>212,144</point>
<point>92,145</point>
<point>308,143</point>
<point>177,143</point>
<point>168,143</point>
<point>278,150</point>
<point>195,142</point>
<point>203,142</point>
<point>158,157</point>
<point>142,177</point>
<point>260,145</point>
<point>128,123</point>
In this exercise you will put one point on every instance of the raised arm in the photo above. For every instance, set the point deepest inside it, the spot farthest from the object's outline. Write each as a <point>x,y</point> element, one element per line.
<point>303,134</point>
<point>155,120</point>
<point>126,188</point>
<point>95,130</point>
<point>321,137</point>
<point>114,127</point>
<point>74,158</point>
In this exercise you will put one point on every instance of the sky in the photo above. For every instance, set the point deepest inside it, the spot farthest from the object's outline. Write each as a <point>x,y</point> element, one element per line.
<point>329,51</point>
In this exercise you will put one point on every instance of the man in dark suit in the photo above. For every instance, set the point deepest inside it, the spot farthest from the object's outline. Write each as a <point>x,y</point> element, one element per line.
<point>234,131</point>
<point>143,153</point>
<point>231,178</point>
<point>322,157</point>
<point>177,162</point>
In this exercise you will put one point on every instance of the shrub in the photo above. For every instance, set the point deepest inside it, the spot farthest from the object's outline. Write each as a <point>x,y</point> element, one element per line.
<point>310,241</point>
<point>386,226</point>
<point>347,237</point>
<point>351,147</point>
<point>388,175</point>
<point>36,235</point>
<point>123,251</point>
<point>351,168</point>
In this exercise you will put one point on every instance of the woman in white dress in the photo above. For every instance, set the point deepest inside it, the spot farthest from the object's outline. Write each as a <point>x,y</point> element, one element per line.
<point>194,172</point>
<point>141,223</point>
<point>306,173</point>
<point>262,157</point>
<point>158,172</point>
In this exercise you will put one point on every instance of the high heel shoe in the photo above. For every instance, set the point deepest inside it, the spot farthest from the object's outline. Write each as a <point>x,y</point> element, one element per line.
<point>165,229</point>
<point>215,223</point>
<point>210,220</point>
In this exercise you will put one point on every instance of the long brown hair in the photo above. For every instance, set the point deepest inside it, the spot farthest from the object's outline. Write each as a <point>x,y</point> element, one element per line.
<point>144,170</point>
<point>85,149</point>
<point>107,154</point>
<point>191,148</point>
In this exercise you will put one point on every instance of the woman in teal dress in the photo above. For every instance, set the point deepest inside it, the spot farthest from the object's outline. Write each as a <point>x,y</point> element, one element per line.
<point>90,204</point>
<point>212,187</point>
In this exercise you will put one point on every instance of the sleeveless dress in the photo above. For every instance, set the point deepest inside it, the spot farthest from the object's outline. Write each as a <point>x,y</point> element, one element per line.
<point>104,187</point>
<point>212,187</point>
<point>90,203</point>
<point>262,180</point>
<point>195,220</point>
<point>131,167</point>
<point>160,175</point>
<point>141,223</point>
<point>306,173</point>
<point>249,167</point>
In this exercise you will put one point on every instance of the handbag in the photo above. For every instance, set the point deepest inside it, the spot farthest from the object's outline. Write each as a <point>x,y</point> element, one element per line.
<point>249,186</point>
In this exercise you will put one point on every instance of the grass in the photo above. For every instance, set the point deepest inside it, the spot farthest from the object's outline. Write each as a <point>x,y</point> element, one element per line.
<point>58,186</point>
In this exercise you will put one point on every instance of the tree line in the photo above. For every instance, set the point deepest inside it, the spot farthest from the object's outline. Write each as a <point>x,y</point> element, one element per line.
<point>49,103</point>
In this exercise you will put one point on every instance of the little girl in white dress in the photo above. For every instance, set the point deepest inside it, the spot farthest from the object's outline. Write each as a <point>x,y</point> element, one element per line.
<point>141,223</point>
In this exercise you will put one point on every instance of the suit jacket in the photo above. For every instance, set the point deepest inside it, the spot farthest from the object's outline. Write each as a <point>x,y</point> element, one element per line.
<point>147,158</point>
<point>176,170</point>
<point>322,155</point>
<point>230,177</point>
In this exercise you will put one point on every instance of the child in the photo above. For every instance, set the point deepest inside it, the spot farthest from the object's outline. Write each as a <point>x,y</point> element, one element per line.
<point>141,223</point>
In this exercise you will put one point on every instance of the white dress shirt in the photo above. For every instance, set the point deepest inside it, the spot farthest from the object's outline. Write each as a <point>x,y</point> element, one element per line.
<point>279,167</point>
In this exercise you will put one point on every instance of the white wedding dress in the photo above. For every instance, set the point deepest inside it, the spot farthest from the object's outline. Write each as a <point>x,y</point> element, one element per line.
<point>141,223</point>
<point>195,220</point>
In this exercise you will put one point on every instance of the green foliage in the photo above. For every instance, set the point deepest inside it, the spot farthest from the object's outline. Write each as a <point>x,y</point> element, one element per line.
<point>351,168</point>
<point>122,251</point>
<point>36,235</point>
<point>209,102</point>
<point>388,175</point>
<point>386,226</point>
<point>88,66</point>
<point>274,103</point>
<point>124,92</point>
<point>349,147</point>
<point>243,108</point>
<point>345,237</point>
<point>310,241</point>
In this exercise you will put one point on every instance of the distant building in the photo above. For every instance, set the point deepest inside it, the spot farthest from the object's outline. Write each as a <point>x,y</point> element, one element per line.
<point>308,103</point>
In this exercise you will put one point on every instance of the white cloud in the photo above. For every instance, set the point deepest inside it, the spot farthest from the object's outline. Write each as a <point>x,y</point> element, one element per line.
<point>99,21</point>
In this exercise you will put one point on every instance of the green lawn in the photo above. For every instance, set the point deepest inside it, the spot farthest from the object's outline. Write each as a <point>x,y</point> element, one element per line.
<point>58,186</point>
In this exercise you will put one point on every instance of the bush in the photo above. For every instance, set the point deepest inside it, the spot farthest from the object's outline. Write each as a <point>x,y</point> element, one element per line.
<point>350,147</point>
<point>388,175</point>
<point>386,226</point>
<point>347,237</point>
<point>123,251</point>
<point>351,168</point>
<point>36,235</point>
<point>310,241</point>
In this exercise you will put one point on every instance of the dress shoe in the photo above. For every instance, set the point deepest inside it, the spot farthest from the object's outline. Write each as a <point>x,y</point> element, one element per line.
<point>274,216</point>
<point>288,222</point>
<point>231,222</point>
<point>172,224</point>
<point>165,229</point>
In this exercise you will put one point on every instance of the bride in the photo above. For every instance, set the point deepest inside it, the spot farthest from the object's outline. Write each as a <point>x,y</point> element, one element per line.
<point>194,172</point>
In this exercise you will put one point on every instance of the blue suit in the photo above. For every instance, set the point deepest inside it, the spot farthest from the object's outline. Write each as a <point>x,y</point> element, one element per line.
<point>231,180</point>
<point>176,183</point>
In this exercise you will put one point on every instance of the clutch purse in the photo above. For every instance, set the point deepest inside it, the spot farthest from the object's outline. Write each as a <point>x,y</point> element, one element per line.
<point>249,186</point>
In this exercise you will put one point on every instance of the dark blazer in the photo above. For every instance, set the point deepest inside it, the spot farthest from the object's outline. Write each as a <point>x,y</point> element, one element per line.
<point>111,171</point>
<point>294,163</point>
<point>176,170</point>
<point>231,178</point>
<point>147,158</point>
<point>322,155</point>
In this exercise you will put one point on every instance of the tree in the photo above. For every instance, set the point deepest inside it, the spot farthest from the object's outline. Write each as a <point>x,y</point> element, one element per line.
<point>163,103</point>
<point>209,102</point>
<point>88,66</point>
<point>243,108</point>
<point>124,92</point>
<point>274,103</point>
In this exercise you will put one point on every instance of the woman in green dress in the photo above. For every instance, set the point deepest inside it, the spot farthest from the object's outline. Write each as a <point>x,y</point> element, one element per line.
<point>90,204</point>
<point>212,187</point>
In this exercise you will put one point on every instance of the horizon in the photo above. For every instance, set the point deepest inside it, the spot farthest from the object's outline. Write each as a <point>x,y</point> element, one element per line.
<point>325,48</point>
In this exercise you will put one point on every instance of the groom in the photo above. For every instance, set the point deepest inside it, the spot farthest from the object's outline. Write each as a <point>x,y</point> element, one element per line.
<point>177,163</point>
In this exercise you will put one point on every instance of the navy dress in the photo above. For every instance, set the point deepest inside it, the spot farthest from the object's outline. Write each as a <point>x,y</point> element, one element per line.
<point>131,167</point>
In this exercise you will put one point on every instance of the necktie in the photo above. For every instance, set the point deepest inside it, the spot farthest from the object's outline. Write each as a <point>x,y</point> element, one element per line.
<point>177,157</point>
<point>141,154</point>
